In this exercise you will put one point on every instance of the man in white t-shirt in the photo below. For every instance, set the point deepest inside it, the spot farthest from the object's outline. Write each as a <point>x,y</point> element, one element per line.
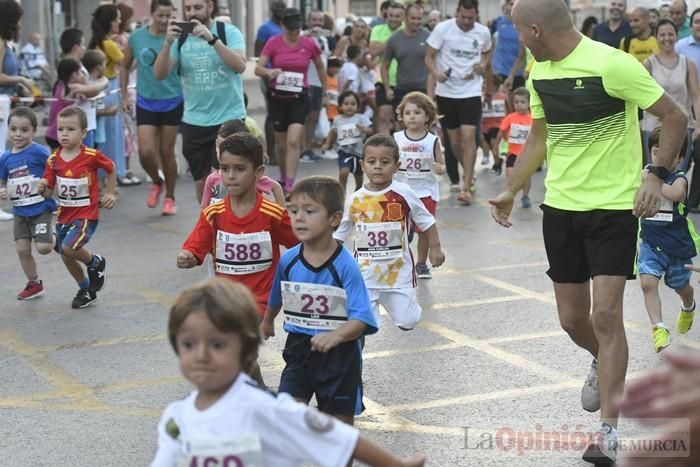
<point>456,57</point>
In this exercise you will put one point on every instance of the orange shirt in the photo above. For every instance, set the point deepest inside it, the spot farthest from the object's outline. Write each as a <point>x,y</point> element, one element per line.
<point>516,128</point>
<point>332,93</point>
<point>492,115</point>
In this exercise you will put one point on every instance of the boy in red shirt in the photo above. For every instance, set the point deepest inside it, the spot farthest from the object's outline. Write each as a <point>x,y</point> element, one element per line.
<point>243,232</point>
<point>71,172</point>
<point>515,128</point>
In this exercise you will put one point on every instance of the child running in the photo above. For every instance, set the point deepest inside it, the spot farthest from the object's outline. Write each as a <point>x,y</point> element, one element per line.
<point>349,130</point>
<point>492,116</point>
<point>228,419</point>
<point>326,307</point>
<point>20,169</point>
<point>380,213</point>
<point>72,172</point>
<point>669,241</point>
<point>244,231</point>
<point>420,156</point>
<point>514,129</point>
<point>214,189</point>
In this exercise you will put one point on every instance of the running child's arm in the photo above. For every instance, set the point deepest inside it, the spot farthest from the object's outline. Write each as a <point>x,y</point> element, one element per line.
<point>348,332</point>
<point>198,243</point>
<point>439,165</point>
<point>423,219</point>
<point>437,257</point>
<point>366,128</point>
<point>3,189</point>
<point>676,192</point>
<point>267,325</point>
<point>278,193</point>
<point>371,453</point>
<point>109,198</point>
<point>42,186</point>
<point>186,260</point>
<point>330,140</point>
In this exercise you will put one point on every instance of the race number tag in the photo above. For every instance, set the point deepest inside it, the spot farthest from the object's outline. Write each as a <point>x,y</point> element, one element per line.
<point>314,306</point>
<point>518,133</point>
<point>665,212</point>
<point>332,96</point>
<point>23,191</point>
<point>416,164</point>
<point>73,192</point>
<point>497,109</point>
<point>243,253</point>
<point>236,450</point>
<point>349,134</point>
<point>381,240</point>
<point>289,81</point>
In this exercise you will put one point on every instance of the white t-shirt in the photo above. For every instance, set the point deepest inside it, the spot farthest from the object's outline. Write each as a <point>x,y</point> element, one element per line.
<point>289,433</point>
<point>89,106</point>
<point>349,72</point>
<point>417,157</point>
<point>312,74</point>
<point>381,221</point>
<point>459,51</point>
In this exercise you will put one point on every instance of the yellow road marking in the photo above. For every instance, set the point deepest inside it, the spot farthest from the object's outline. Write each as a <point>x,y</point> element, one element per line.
<point>483,301</point>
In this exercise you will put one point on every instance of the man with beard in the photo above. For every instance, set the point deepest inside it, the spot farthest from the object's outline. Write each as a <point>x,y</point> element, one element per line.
<point>642,43</point>
<point>615,29</point>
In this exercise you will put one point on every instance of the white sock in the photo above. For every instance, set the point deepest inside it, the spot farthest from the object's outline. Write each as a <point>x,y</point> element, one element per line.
<point>661,324</point>
<point>690,308</point>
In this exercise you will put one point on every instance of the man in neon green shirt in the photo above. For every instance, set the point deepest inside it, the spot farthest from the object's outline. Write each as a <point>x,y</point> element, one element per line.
<point>585,123</point>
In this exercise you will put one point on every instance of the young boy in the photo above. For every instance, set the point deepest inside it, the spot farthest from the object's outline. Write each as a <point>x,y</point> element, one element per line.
<point>514,129</point>
<point>72,172</point>
<point>20,170</point>
<point>669,241</point>
<point>228,419</point>
<point>493,114</point>
<point>349,76</point>
<point>381,213</point>
<point>332,87</point>
<point>326,306</point>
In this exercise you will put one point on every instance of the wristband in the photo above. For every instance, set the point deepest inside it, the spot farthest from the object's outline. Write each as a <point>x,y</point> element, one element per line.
<point>213,40</point>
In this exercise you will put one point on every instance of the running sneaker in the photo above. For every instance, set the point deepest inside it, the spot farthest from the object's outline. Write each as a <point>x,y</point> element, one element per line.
<point>6,216</point>
<point>308,157</point>
<point>465,198</point>
<point>590,394</point>
<point>83,298</point>
<point>525,202</point>
<point>169,207</point>
<point>472,185</point>
<point>485,159</point>
<point>154,195</point>
<point>685,319</point>
<point>662,338</point>
<point>32,290</point>
<point>497,168</point>
<point>603,448</point>
<point>329,155</point>
<point>98,274</point>
<point>423,271</point>
<point>454,188</point>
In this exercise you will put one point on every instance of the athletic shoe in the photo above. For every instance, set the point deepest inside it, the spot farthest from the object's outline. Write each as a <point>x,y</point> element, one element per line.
<point>685,320</point>
<point>603,448</point>
<point>472,185</point>
<point>308,157</point>
<point>32,290</point>
<point>329,155</point>
<point>525,202</point>
<point>169,207</point>
<point>6,216</point>
<point>83,298</point>
<point>423,271</point>
<point>98,274</point>
<point>465,198</point>
<point>497,168</point>
<point>154,195</point>
<point>662,338</point>
<point>454,188</point>
<point>485,159</point>
<point>590,394</point>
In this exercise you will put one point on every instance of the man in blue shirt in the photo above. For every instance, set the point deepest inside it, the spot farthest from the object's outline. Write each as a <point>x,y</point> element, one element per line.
<point>271,27</point>
<point>615,29</point>
<point>507,48</point>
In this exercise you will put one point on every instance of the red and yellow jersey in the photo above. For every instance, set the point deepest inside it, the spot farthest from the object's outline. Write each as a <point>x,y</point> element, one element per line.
<point>381,221</point>
<point>75,183</point>
<point>245,249</point>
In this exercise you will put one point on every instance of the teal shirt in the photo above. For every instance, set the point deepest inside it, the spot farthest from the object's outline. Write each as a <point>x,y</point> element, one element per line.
<point>685,30</point>
<point>213,91</point>
<point>144,48</point>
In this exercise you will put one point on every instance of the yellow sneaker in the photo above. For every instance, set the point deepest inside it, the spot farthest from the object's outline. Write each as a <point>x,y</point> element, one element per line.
<point>662,338</point>
<point>685,321</point>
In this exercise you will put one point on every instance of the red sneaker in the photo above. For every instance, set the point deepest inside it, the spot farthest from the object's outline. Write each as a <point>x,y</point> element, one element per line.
<point>169,207</point>
<point>32,290</point>
<point>154,195</point>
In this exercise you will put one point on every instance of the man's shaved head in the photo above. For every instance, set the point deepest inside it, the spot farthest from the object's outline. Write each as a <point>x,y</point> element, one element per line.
<point>549,15</point>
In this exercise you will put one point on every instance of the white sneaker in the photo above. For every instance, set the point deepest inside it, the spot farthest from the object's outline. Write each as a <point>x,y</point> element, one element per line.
<point>603,447</point>
<point>485,159</point>
<point>590,394</point>
<point>6,216</point>
<point>454,188</point>
<point>329,155</point>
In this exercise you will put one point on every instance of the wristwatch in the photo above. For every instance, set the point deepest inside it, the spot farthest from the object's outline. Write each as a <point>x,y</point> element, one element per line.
<point>659,171</point>
<point>213,40</point>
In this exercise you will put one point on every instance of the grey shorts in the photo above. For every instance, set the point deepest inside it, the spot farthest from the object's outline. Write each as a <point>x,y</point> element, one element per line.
<point>37,228</point>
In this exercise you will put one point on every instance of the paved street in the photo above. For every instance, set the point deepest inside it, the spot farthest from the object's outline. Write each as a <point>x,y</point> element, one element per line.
<point>86,387</point>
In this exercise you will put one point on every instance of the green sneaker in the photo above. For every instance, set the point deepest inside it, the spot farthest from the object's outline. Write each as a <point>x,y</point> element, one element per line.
<point>685,320</point>
<point>662,338</point>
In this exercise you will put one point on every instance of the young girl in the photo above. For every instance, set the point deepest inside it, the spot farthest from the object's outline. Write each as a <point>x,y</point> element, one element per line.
<point>348,131</point>
<point>214,189</point>
<point>68,88</point>
<point>20,170</point>
<point>420,157</point>
<point>228,418</point>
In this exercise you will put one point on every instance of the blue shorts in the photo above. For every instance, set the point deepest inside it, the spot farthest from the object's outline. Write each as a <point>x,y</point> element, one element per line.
<point>658,263</point>
<point>350,161</point>
<point>74,235</point>
<point>335,377</point>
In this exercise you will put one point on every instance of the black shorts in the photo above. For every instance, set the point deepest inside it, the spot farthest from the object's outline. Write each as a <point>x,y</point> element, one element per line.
<point>170,118</point>
<point>491,135</point>
<point>380,95</point>
<point>335,377</point>
<point>582,245</point>
<point>518,81</point>
<point>510,160</point>
<point>457,112</point>
<point>315,98</point>
<point>288,109</point>
<point>399,94</point>
<point>199,148</point>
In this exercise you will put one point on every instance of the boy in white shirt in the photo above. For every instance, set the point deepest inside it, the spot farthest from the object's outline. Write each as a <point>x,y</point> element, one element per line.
<point>349,76</point>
